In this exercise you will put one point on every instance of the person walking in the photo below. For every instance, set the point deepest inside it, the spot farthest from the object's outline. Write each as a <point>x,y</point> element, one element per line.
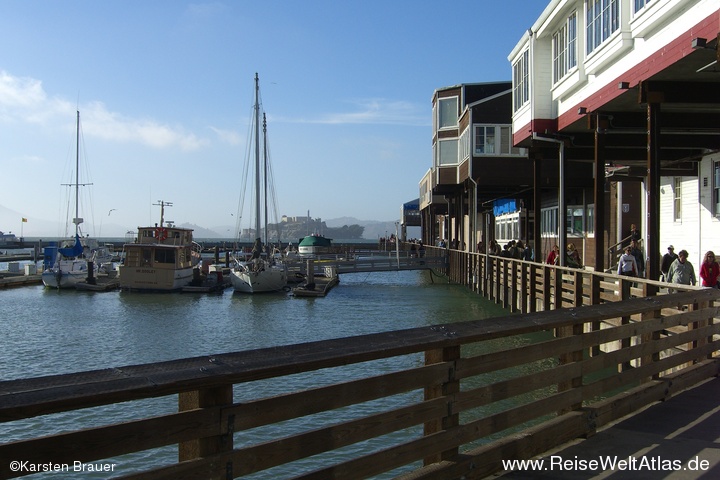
<point>667,260</point>
<point>552,258</point>
<point>573,256</point>
<point>639,258</point>
<point>627,265</point>
<point>709,270</point>
<point>681,270</point>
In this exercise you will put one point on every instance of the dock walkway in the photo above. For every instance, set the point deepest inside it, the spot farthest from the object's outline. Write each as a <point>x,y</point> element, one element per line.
<point>681,433</point>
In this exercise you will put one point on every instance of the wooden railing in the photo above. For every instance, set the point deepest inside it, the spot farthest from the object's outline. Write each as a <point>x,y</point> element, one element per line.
<point>440,403</point>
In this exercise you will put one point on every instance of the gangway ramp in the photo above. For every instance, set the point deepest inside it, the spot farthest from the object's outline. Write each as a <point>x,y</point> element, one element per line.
<point>369,263</point>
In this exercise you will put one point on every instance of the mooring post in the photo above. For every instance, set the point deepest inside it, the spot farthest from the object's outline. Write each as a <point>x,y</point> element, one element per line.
<point>91,273</point>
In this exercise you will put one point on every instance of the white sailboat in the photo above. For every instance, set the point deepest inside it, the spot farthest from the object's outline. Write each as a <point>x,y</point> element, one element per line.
<point>262,272</point>
<point>70,263</point>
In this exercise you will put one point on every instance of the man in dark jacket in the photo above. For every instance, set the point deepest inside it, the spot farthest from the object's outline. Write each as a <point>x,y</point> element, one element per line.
<point>667,260</point>
<point>639,258</point>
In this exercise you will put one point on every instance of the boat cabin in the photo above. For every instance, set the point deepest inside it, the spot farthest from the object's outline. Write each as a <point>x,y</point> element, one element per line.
<point>162,258</point>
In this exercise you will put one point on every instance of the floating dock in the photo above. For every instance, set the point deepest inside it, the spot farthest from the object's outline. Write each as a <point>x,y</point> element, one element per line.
<point>321,288</point>
<point>102,284</point>
<point>8,280</point>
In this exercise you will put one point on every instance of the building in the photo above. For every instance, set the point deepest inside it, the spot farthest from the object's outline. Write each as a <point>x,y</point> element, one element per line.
<point>474,164</point>
<point>627,93</point>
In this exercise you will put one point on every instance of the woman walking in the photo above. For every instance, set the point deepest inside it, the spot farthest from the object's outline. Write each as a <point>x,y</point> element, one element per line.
<point>709,270</point>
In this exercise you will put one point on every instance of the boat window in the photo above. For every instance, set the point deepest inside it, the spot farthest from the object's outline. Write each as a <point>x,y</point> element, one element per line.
<point>146,256</point>
<point>164,256</point>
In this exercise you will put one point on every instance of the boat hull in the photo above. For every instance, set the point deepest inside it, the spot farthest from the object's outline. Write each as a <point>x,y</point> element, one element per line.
<point>57,278</point>
<point>271,278</point>
<point>148,279</point>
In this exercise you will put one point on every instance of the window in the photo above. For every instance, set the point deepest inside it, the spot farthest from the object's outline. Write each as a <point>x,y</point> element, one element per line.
<point>521,85</point>
<point>575,220</point>
<point>548,222</point>
<point>508,227</point>
<point>564,53</point>
<point>448,152</point>
<point>716,189</point>
<point>639,5</point>
<point>590,224</point>
<point>164,256</point>
<point>484,140</point>
<point>677,198</point>
<point>448,114</point>
<point>494,140</point>
<point>465,148</point>
<point>602,19</point>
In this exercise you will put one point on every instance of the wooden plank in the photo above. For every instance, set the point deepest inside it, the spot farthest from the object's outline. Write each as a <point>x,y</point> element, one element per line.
<point>266,455</point>
<point>264,411</point>
<point>377,462</point>
<point>109,441</point>
<point>512,387</point>
<point>487,459</point>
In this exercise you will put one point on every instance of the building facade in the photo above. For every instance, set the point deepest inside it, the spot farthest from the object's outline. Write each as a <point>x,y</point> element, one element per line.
<point>626,92</point>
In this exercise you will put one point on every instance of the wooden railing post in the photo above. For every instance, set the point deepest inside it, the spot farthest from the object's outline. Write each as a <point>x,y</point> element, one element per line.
<point>558,288</point>
<point>524,288</point>
<point>447,389</point>
<point>202,447</point>
<point>625,285</point>
<point>595,300</point>
<point>547,274</point>
<point>532,288</point>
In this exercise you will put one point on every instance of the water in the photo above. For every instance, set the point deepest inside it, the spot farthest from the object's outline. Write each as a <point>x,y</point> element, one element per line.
<point>47,332</point>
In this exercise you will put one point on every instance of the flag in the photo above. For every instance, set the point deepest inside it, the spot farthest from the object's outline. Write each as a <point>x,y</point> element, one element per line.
<point>24,220</point>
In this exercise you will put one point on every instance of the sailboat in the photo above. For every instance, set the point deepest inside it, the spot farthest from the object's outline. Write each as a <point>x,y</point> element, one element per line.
<point>67,265</point>
<point>262,272</point>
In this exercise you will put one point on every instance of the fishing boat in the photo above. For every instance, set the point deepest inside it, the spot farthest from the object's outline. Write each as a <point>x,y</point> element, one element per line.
<point>80,257</point>
<point>161,259</point>
<point>314,245</point>
<point>262,272</point>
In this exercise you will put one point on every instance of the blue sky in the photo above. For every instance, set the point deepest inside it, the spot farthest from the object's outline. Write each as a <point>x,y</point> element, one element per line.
<point>164,90</point>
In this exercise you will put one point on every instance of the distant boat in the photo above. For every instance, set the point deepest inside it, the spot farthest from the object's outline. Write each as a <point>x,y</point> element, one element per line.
<point>315,245</point>
<point>8,239</point>
<point>162,258</point>
<point>67,264</point>
<point>263,272</point>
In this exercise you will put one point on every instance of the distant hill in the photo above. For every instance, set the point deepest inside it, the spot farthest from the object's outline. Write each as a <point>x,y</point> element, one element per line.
<point>373,228</point>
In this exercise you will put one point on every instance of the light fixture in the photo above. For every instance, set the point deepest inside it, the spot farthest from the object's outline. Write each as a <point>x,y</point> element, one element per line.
<point>582,110</point>
<point>624,85</point>
<point>699,42</point>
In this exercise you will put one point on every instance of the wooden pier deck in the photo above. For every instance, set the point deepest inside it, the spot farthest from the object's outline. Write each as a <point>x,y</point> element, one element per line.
<point>675,439</point>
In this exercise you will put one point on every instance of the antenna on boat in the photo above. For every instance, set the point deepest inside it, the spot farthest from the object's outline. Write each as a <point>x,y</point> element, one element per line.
<point>162,206</point>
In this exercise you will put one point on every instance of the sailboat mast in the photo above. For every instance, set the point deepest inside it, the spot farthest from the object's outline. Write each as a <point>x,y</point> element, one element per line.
<point>77,174</point>
<point>265,175</point>
<point>257,156</point>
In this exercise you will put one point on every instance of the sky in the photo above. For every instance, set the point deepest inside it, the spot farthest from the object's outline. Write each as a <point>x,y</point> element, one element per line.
<point>165,92</point>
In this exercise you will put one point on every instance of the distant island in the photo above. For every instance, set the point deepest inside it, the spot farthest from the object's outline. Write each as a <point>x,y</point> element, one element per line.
<point>295,228</point>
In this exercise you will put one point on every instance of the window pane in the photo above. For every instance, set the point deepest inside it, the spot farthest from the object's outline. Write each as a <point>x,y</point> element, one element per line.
<point>448,112</point>
<point>490,140</point>
<point>505,140</point>
<point>448,152</point>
